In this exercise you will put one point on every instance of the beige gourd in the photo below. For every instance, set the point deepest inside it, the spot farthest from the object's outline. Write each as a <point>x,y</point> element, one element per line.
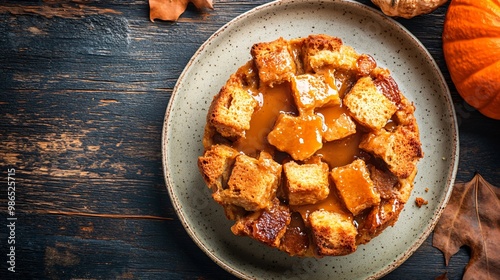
<point>407,8</point>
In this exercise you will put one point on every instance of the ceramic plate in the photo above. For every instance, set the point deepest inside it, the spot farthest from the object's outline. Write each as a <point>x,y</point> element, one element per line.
<point>368,31</point>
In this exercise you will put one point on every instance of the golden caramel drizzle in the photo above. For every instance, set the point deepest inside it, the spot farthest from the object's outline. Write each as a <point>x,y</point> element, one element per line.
<point>340,152</point>
<point>272,102</point>
<point>332,203</point>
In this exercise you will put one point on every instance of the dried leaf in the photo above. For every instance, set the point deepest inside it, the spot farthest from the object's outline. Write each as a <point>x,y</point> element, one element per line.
<point>171,9</point>
<point>443,276</point>
<point>472,218</point>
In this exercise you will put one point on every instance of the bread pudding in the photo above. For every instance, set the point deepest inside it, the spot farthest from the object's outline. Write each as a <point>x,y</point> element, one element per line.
<point>310,147</point>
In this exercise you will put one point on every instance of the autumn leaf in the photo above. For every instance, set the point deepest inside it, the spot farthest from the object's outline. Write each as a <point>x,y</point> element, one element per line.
<point>472,218</point>
<point>171,9</point>
<point>443,276</point>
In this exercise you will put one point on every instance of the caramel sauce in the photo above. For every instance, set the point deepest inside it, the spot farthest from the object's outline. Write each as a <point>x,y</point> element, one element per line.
<point>331,113</point>
<point>272,102</point>
<point>391,125</point>
<point>344,81</point>
<point>329,76</point>
<point>358,192</point>
<point>312,91</point>
<point>278,99</point>
<point>332,203</point>
<point>341,152</point>
<point>299,136</point>
<point>336,122</point>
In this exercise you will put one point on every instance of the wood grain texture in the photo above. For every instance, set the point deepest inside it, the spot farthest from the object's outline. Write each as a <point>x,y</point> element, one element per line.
<point>83,92</point>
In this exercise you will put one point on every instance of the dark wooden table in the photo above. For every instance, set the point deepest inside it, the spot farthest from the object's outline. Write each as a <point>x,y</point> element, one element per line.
<point>83,90</point>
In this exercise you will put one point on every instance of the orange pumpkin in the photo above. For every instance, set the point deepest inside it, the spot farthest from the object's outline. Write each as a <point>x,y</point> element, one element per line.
<point>471,45</point>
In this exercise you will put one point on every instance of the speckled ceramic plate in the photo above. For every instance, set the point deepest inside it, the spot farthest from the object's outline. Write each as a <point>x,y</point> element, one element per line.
<point>368,31</point>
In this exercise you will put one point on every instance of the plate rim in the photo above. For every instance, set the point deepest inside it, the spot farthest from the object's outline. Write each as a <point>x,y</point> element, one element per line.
<point>455,149</point>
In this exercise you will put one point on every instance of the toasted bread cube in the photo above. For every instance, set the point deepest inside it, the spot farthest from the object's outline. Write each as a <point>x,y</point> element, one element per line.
<point>323,50</point>
<point>312,91</point>
<point>400,149</point>
<point>295,46</point>
<point>215,166</point>
<point>267,225</point>
<point>246,76</point>
<point>333,233</point>
<point>274,61</point>
<point>384,182</point>
<point>317,49</point>
<point>379,218</point>
<point>406,186</point>
<point>387,85</point>
<point>345,58</point>
<point>231,111</point>
<point>306,183</point>
<point>368,105</point>
<point>339,128</point>
<point>299,136</point>
<point>405,115</point>
<point>355,186</point>
<point>253,182</point>
<point>317,43</point>
<point>296,239</point>
<point>233,212</point>
<point>365,64</point>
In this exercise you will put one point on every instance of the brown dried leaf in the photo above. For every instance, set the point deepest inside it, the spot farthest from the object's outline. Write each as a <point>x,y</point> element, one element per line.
<point>171,9</point>
<point>443,276</point>
<point>472,218</point>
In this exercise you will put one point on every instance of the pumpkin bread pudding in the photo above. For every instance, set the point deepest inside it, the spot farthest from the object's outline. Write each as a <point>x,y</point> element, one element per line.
<point>310,147</point>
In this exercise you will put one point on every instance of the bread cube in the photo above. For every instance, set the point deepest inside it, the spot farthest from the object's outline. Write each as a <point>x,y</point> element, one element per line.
<point>231,111</point>
<point>387,85</point>
<point>323,50</point>
<point>312,91</point>
<point>368,105</point>
<point>333,233</point>
<point>306,183</point>
<point>268,225</point>
<point>274,61</point>
<point>318,49</point>
<point>355,186</point>
<point>299,136</point>
<point>253,182</point>
<point>296,46</point>
<point>400,149</point>
<point>339,128</point>
<point>296,240</point>
<point>345,58</point>
<point>215,166</point>
<point>365,64</point>
<point>384,182</point>
<point>379,218</point>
